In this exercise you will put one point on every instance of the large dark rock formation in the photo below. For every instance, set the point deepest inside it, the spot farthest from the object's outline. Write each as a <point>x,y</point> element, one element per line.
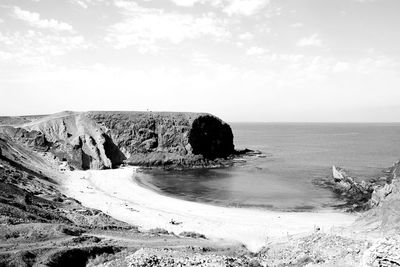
<point>171,135</point>
<point>97,140</point>
<point>211,137</point>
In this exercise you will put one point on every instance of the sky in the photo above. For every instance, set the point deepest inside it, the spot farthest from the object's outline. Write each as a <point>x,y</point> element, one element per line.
<point>242,60</point>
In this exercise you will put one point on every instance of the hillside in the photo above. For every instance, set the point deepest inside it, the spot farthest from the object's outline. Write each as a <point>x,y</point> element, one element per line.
<point>40,226</point>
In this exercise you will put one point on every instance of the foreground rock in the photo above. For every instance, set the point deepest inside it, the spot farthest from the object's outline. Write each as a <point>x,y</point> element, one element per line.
<point>384,252</point>
<point>173,257</point>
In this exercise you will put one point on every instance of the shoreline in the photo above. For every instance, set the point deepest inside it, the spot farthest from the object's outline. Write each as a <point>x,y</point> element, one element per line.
<point>146,185</point>
<point>115,193</point>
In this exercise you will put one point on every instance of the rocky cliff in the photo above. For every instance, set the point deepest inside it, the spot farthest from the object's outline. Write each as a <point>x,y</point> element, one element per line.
<point>165,138</point>
<point>385,201</point>
<point>98,140</point>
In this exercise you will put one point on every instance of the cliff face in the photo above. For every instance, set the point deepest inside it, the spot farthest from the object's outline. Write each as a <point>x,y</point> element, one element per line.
<point>34,140</point>
<point>97,140</point>
<point>76,139</point>
<point>385,214</point>
<point>163,136</point>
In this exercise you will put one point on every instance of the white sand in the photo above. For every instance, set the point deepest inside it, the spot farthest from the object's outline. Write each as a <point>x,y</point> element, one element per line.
<point>115,193</point>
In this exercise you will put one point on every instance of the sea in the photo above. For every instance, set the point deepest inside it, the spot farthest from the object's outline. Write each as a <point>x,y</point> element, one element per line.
<point>295,155</point>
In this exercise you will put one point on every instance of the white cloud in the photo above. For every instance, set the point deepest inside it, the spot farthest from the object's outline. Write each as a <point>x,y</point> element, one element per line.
<point>144,27</point>
<point>186,3</point>
<point>372,64</point>
<point>230,7</point>
<point>296,25</point>
<point>5,55</point>
<point>34,19</point>
<point>190,3</point>
<point>85,3</point>
<point>81,4</point>
<point>245,7</point>
<point>246,36</point>
<point>36,48</point>
<point>312,40</point>
<point>341,66</point>
<point>255,50</point>
<point>199,58</point>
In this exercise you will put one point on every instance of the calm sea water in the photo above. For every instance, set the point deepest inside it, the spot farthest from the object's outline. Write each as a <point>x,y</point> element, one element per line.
<point>296,154</point>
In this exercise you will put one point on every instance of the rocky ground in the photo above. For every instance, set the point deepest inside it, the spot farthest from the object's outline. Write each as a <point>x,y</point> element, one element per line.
<point>39,225</point>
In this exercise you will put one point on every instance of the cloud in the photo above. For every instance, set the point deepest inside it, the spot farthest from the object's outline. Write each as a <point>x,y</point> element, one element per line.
<point>36,48</point>
<point>190,3</point>
<point>230,7</point>
<point>244,7</point>
<point>246,36</point>
<point>144,27</point>
<point>185,3</point>
<point>312,40</point>
<point>200,58</point>
<point>296,25</point>
<point>255,50</point>
<point>341,66</point>
<point>34,20</point>
<point>81,4</point>
<point>85,3</point>
<point>5,56</point>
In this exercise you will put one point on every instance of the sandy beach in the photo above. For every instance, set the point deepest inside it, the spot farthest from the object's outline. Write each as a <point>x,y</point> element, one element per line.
<point>115,193</point>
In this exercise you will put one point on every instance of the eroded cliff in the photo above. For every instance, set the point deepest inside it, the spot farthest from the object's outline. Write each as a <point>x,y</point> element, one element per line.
<point>98,140</point>
<point>167,138</point>
<point>385,202</point>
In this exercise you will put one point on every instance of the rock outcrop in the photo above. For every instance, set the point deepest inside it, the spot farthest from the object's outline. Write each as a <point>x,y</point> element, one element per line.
<point>379,198</point>
<point>356,195</point>
<point>390,188</point>
<point>98,140</point>
<point>35,140</point>
<point>385,201</point>
<point>167,138</point>
<point>78,140</point>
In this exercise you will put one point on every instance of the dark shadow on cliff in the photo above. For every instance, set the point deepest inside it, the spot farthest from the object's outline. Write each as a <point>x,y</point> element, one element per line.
<point>211,138</point>
<point>113,152</point>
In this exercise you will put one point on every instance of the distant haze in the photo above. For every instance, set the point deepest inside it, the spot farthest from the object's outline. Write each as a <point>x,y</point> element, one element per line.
<point>242,60</point>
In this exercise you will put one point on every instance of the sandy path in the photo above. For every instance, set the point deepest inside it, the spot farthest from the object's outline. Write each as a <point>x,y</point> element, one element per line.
<point>114,192</point>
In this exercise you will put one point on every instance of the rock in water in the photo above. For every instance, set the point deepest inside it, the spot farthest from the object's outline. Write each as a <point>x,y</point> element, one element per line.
<point>337,174</point>
<point>356,195</point>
